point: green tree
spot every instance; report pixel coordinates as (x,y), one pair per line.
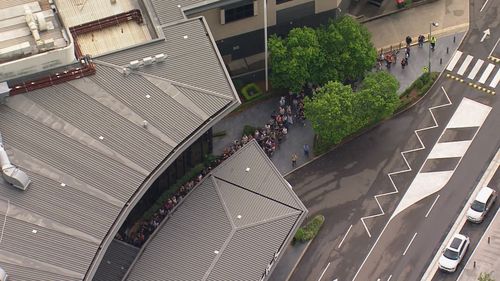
(348,48)
(341,51)
(293,59)
(485,277)
(331,112)
(377,98)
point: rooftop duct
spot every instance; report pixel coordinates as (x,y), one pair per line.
(11,173)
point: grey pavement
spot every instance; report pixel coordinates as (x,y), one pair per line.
(485,256)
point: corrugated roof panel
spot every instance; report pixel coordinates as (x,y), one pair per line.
(246,207)
(210,104)
(184,247)
(115,263)
(132,91)
(47,246)
(260,178)
(167,11)
(68,155)
(87,214)
(17,272)
(251,250)
(124,137)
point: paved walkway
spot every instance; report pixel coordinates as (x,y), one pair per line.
(485,256)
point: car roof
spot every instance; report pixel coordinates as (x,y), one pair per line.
(457,240)
(484,194)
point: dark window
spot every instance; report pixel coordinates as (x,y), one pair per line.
(282,1)
(238,13)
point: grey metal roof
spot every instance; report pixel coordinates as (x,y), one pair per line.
(116,261)
(84,145)
(223,230)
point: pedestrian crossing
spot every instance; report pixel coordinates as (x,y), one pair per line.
(469,67)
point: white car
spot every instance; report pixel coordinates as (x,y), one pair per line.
(481,205)
(454,253)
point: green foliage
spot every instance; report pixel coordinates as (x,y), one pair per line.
(418,88)
(332,112)
(378,97)
(340,51)
(310,230)
(249,130)
(485,277)
(251,91)
(171,191)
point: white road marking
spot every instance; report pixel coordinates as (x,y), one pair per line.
(495,80)
(464,65)
(422,146)
(486,73)
(432,206)
(345,235)
(328,265)
(454,60)
(389,279)
(485,2)
(411,241)
(494,47)
(475,69)
(469,113)
(449,149)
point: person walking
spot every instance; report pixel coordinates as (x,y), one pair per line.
(433,43)
(408,40)
(306,150)
(294,160)
(403,63)
(421,39)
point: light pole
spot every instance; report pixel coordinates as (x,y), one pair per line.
(265,46)
(435,24)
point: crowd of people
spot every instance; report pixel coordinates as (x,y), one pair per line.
(391,57)
(290,110)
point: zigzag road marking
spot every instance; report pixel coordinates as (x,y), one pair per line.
(396,190)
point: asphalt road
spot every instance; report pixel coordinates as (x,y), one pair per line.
(341,185)
(474,231)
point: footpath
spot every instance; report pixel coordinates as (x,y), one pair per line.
(388,30)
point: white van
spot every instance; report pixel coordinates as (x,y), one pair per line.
(481,205)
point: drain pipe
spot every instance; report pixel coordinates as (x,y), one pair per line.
(11,174)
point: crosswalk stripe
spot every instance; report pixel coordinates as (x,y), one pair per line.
(475,69)
(464,65)
(454,60)
(495,80)
(486,73)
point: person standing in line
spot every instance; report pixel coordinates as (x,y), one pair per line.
(408,40)
(403,63)
(294,160)
(421,39)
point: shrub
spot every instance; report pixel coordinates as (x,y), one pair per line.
(251,91)
(310,230)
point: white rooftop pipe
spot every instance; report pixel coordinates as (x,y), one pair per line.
(11,173)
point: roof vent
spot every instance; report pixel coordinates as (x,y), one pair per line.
(3,275)
(134,64)
(11,173)
(148,60)
(160,57)
(126,71)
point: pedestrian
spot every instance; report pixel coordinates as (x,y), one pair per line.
(306,150)
(282,101)
(294,160)
(421,39)
(408,40)
(407,52)
(433,43)
(403,63)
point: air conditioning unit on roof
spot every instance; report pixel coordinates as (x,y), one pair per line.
(148,60)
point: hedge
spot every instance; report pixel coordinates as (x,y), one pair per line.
(310,230)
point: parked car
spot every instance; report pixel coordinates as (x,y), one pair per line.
(454,253)
(481,205)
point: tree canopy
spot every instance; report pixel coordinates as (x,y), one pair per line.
(340,51)
(335,111)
